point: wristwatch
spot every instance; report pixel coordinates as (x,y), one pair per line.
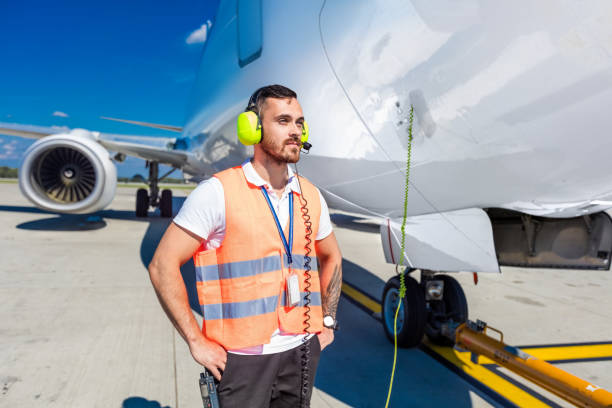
(330,322)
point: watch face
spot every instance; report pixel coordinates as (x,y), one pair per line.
(328,321)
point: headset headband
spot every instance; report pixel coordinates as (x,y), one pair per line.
(252,105)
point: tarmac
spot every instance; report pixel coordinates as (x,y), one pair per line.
(83,327)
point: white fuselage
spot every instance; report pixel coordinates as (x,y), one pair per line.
(510,110)
(510,101)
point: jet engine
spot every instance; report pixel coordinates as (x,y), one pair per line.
(68,173)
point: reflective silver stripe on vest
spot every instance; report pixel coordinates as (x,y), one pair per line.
(298,262)
(240,269)
(253,267)
(237,310)
(315,299)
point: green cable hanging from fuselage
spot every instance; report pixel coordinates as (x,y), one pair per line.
(402,291)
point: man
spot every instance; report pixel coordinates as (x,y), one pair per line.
(236,226)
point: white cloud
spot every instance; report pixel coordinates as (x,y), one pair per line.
(8,150)
(60,114)
(199,35)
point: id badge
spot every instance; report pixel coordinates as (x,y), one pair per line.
(293,290)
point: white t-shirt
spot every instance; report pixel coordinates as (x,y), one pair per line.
(203,213)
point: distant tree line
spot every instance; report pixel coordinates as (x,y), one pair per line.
(7,172)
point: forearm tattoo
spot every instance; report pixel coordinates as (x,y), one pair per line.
(332,293)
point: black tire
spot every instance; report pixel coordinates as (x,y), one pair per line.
(411,331)
(452,306)
(165,203)
(142,202)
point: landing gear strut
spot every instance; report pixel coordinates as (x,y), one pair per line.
(427,307)
(451,306)
(152,198)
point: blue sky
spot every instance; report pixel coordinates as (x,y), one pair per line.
(68,63)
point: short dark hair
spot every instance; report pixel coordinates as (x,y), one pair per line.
(271,91)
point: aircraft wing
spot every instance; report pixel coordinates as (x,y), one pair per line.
(160,149)
(163,154)
(29,131)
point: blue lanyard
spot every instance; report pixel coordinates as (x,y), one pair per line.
(289,245)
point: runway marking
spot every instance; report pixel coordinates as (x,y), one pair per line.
(483,372)
(361,298)
(462,360)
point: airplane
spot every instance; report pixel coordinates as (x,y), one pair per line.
(509,157)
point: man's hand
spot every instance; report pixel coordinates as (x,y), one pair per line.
(326,337)
(209,354)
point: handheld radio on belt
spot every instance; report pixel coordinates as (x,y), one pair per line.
(208,390)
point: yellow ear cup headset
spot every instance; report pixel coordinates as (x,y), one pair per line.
(249,125)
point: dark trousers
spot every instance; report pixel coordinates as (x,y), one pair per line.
(267,380)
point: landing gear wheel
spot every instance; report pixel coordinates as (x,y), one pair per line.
(142,202)
(453,306)
(165,204)
(412,314)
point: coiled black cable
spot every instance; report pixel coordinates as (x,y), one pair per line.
(305,348)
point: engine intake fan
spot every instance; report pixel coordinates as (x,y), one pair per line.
(68,173)
(65,175)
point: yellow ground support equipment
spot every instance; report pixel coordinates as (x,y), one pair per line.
(474,338)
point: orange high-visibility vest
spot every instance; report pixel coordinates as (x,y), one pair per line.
(241,285)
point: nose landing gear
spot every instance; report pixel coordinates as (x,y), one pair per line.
(452,307)
(426,308)
(152,198)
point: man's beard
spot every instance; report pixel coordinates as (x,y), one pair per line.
(282,154)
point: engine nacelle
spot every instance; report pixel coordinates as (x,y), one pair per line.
(68,173)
